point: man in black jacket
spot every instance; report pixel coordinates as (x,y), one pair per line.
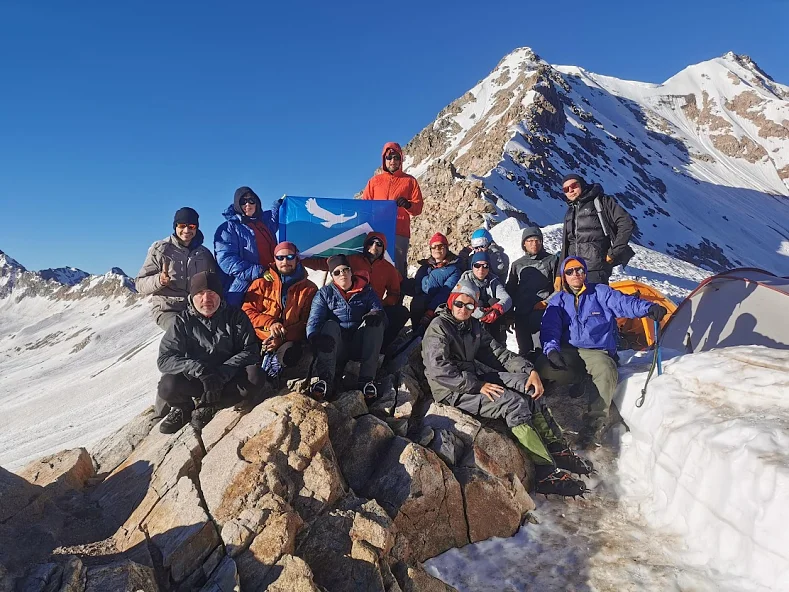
(531,284)
(210,354)
(596,228)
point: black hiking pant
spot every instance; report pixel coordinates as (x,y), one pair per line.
(179,390)
(527,330)
(396,315)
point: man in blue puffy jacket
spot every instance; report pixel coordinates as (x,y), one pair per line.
(347,321)
(434,280)
(244,244)
(578,335)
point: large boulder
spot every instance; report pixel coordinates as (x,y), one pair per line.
(359,445)
(69,469)
(111,451)
(124,576)
(293,575)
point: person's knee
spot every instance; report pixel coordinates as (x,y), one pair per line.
(168,386)
(331,327)
(516,408)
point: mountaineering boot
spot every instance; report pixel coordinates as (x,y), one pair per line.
(201,417)
(559,482)
(174,421)
(590,436)
(318,390)
(369,389)
(567,459)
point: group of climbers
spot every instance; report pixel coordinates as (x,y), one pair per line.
(234,323)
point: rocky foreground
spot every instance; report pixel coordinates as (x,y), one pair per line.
(292,495)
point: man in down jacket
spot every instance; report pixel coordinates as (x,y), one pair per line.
(453,345)
(434,280)
(494,301)
(209,354)
(170,264)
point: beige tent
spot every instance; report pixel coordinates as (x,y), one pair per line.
(739,307)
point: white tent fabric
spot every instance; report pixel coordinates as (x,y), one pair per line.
(738,307)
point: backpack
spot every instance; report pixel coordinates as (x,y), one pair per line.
(628,252)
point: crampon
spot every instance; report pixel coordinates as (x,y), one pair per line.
(566,459)
(561,483)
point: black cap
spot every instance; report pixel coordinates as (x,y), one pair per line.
(574,177)
(186,216)
(205,280)
(336,260)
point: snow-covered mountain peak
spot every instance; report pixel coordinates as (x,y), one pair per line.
(8,263)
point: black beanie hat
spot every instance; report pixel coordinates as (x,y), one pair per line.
(574,177)
(243,192)
(336,260)
(186,216)
(205,280)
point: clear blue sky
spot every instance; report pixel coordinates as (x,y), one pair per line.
(115,114)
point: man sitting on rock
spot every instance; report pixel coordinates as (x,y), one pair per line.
(578,336)
(278,305)
(209,354)
(434,281)
(347,321)
(453,345)
(494,302)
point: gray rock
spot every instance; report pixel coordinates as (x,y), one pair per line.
(224,578)
(294,575)
(111,451)
(351,403)
(124,576)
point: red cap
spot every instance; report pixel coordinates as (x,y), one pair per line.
(438,238)
(285,246)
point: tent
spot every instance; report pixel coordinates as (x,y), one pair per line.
(743,306)
(640,333)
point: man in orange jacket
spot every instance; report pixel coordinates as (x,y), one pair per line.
(384,280)
(278,304)
(395,185)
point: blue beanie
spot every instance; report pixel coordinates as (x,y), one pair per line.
(480,256)
(481,238)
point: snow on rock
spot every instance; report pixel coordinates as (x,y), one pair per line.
(64,275)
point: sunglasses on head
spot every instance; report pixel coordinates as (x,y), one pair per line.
(376,242)
(481,266)
(466,305)
(181,226)
(340,271)
(571,186)
(246,200)
(289,257)
(574,271)
(393,156)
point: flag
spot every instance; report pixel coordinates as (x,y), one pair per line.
(325,226)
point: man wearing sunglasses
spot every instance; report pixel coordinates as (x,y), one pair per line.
(244,243)
(278,305)
(578,336)
(346,321)
(453,345)
(596,228)
(434,280)
(170,264)
(393,184)
(494,302)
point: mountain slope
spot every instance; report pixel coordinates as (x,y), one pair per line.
(700,161)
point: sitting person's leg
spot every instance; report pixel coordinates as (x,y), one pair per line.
(177,391)
(418,308)
(326,361)
(396,315)
(573,372)
(605,377)
(365,347)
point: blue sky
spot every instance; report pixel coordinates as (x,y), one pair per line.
(113,115)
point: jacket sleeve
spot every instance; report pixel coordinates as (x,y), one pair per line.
(416,200)
(373,302)
(249,345)
(260,320)
(228,255)
(552,325)
(393,280)
(419,279)
(623,305)
(439,366)
(446,288)
(500,293)
(368,190)
(496,355)
(623,227)
(319,312)
(172,353)
(147,281)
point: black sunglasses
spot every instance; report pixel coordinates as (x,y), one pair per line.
(376,242)
(338,272)
(392,156)
(575,271)
(481,266)
(466,305)
(290,257)
(246,200)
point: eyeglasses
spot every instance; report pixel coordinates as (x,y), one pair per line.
(341,271)
(466,305)
(574,271)
(481,266)
(189,226)
(438,247)
(289,257)
(246,200)
(376,242)
(571,186)
(393,156)
(480,248)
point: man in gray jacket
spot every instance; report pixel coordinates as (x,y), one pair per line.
(453,345)
(169,265)
(531,284)
(494,301)
(210,354)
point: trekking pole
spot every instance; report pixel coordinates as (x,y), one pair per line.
(657,362)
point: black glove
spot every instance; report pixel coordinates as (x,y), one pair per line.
(321,342)
(212,387)
(656,312)
(556,360)
(372,318)
(403,203)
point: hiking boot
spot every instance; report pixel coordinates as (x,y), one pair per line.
(369,390)
(590,436)
(201,417)
(569,461)
(318,390)
(174,421)
(561,483)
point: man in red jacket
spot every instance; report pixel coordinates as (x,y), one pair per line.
(395,185)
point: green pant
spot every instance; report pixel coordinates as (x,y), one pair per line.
(580,363)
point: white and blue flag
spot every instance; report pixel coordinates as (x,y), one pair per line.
(325,226)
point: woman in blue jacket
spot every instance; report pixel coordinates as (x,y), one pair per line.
(578,335)
(244,244)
